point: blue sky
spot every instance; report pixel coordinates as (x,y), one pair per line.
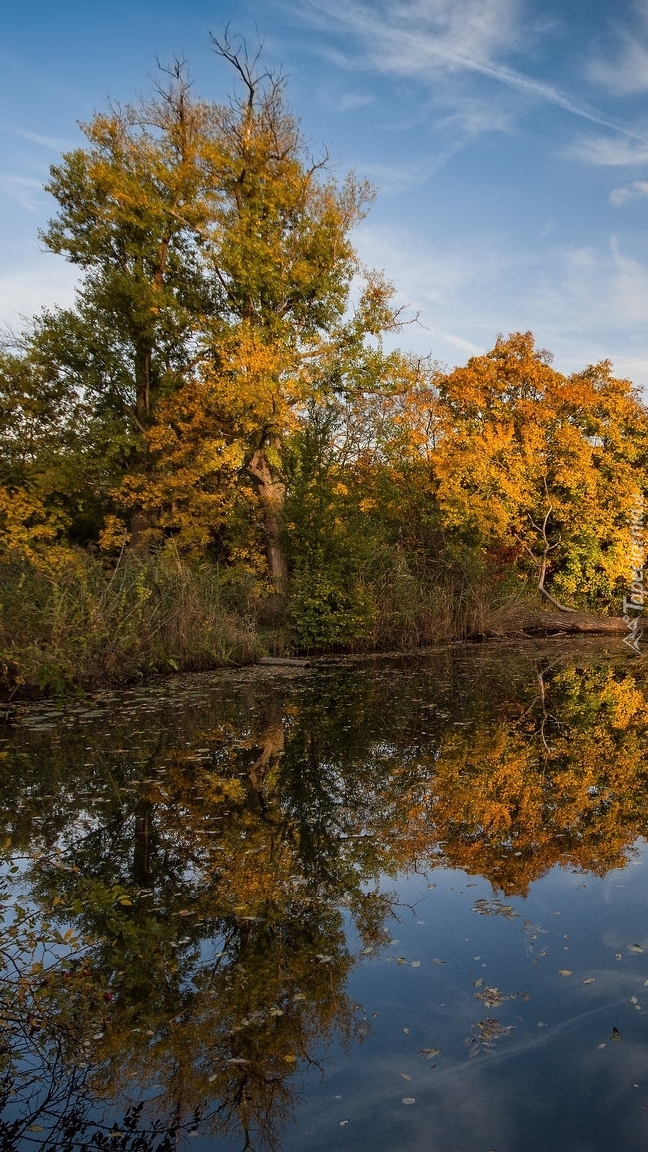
(507,139)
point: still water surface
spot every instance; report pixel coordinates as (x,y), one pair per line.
(367,907)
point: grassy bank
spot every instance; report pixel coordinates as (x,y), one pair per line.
(82,624)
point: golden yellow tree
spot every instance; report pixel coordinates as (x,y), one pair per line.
(276,248)
(543,467)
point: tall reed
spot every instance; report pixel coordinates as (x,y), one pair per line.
(81,624)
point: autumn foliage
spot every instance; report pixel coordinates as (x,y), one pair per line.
(221,392)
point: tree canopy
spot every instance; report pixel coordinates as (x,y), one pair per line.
(222,389)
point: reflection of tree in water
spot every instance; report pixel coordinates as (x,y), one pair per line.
(212,866)
(217,973)
(562,780)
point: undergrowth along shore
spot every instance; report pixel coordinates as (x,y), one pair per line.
(84,625)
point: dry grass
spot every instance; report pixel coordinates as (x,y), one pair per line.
(83,624)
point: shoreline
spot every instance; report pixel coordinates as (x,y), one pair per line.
(533,625)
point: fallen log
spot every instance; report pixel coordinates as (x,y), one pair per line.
(284,661)
(544,623)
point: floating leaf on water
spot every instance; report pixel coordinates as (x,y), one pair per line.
(478,983)
(242,1060)
(635,948)
(405,1076)
(491,997)
(617,955)
(409,1099)
(429,1052)
(633,1000)
(437,961)
(494,908)
(599,1046)
(616,1035)
(564,972)
(343,1123)
(589,980)
(401,960)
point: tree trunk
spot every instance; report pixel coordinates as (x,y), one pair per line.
(270,745)
(143,357)
(272,494)
(542,623)
(138,525)
(139,521)
(142,853)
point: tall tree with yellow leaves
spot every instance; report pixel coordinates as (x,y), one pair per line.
(218,268)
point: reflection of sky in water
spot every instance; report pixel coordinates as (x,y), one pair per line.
(558,1080)
(358,768)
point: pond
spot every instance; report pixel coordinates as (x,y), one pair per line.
(373,905)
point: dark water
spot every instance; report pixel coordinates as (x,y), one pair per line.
(376,907)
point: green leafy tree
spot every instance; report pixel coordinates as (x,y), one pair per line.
(215,300)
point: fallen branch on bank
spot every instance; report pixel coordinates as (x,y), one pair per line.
(544,623)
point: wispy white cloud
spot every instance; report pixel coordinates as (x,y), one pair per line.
(444,33)
(608,151)
(457,289)
(35,281)
(624,70)
(433,38)
(474,116)
(403,176)
(26,191)
(626,73)
(347,101)
(620,196)
(585,303)
(629,284)
(56,143)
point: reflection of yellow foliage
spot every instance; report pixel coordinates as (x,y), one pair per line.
(508,801)
(624,701)
(557,775)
